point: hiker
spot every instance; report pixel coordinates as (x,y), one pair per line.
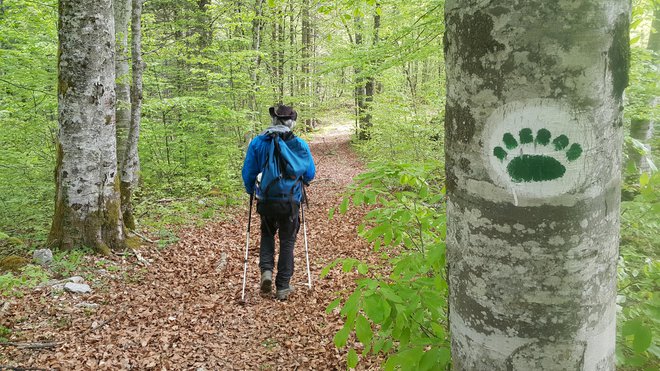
(278,196)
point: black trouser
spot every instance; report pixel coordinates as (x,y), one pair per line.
(274,216)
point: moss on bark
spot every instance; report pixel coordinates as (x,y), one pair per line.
(102,230)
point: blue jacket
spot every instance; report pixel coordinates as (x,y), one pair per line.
(255,161)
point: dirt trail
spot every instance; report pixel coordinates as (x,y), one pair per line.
(182,311)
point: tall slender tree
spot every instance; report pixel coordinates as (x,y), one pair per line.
(370,85)
(533,162)
(123,88)
(130,171)
(87,206)
(358,90)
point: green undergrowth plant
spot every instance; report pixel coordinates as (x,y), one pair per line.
(638,300)
(399,307)
(29,276)
(65,264)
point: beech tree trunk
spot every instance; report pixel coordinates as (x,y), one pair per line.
(87,206)
(131,167)
(307,48)
(533,163)
(359,89)
(370,85)
(257,26)
(123,87)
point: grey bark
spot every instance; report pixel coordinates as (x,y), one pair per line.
(370,85)
(257,26)
(307,48)
(642,130)
(359,89)
(87,205)
(532,219)
(123,109)
(131,168)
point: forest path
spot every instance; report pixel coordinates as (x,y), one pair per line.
(183,312)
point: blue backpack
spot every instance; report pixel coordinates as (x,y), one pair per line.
(287,161)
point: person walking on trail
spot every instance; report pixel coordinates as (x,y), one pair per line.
(277,166)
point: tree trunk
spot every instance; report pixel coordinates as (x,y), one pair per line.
(359,81)
(292,50)
(369,87)
(642,130)
(123,87)
(654,38)
(281,29)
(533,163)
(87,205)
(257,25)
(307,48)
(131,169)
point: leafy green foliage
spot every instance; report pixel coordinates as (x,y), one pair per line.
(398,307)
(30,276)
(28,110)
(638,333)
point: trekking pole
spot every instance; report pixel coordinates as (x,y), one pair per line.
(302,209)
(247,246)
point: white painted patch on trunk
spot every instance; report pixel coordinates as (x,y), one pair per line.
(536,115)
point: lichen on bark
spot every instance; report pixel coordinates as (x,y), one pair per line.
(87,186)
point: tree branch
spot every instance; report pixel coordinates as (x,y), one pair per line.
(26,88)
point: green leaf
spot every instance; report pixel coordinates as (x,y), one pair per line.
(327,268)
(631,327)
(333,304)
(642,340)
(331,213)
(362,268)
(390,295)
(370,197)
(374,308)
(410,358)
(363,330)
(341,337)
(344,205)
(358,198)
(351,305)
(352,358)
(348,264)
(435,359)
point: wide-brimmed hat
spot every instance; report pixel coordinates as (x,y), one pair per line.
(283,112)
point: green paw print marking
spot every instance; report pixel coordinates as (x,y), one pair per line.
(536,167)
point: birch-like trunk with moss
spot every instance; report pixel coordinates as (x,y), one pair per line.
(533,162)
(130,171)
(87,206)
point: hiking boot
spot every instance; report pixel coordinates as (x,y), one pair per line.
(266,282)
(283,294)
